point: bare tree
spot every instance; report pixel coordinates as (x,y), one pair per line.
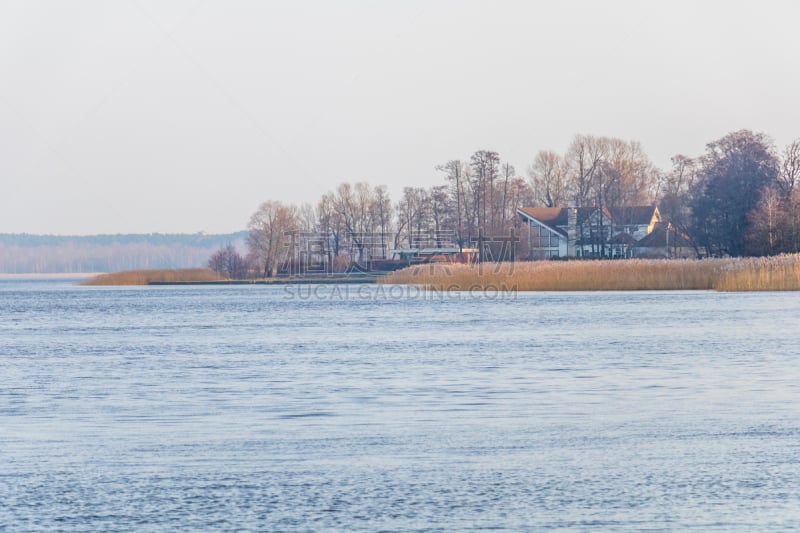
(457,174)
(789,175)
(485,171)
(363,211)
(269,234)
(585,156)
(307,218)
(228,263)
(768,230)
(412,214)
(520,194)
(442,215)
(330,224)
(549,178)
(629,177)
(509,173)
(674,192)
(383,213)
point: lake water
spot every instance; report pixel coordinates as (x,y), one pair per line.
(387,409)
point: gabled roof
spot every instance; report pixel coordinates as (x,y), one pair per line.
(638,215)
(623,238)
(635,215)
(553,218)
(584,213)
(557,218)
(658,238)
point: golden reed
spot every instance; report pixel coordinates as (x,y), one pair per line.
(780,273)
(144,277)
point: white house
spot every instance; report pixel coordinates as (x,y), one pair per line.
(587,231)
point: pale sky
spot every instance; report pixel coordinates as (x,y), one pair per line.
(142,116)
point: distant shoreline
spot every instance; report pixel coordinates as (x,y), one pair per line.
(204,276)
(776,273)
(322,280)
(47,276)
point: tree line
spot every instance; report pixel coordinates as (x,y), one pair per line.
(737,198)
(50,254)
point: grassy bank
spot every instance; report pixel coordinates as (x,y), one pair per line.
(144,277)
(780,273)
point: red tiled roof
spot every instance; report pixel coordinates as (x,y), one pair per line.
(554,218)
(547,215)
(557,217)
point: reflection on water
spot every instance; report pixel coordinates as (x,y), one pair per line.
(267,408)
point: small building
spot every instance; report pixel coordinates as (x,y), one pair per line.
(637,221)
(622,244)
(665,241)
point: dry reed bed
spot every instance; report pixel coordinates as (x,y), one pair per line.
(144,277)
(779,273)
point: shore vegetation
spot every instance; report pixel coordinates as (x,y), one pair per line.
(145,277)
(778,273)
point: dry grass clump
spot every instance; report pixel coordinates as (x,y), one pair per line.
(617,275)
(145,277)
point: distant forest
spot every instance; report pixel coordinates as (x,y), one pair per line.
(53,254)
